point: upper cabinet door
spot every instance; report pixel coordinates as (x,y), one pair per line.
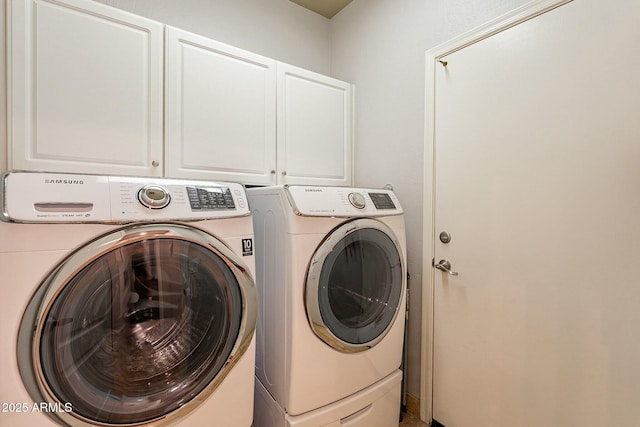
(85,88)
(220,111)
(314,128)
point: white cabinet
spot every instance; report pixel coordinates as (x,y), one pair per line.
(237,116)
(85,88)
(220,109)
(314,128)
(94,89)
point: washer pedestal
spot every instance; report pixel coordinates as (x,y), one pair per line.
(375,406)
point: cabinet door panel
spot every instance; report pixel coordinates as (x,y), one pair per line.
(220,111)
(314,128)
(86,89)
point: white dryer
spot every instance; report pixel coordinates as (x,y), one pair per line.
(331,278)
(125,301)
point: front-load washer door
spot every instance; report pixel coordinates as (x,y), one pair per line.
(354,286)
(138,326)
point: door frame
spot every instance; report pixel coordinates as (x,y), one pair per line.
(434,57)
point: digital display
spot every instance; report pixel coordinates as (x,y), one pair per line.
(382,201)
(210,198)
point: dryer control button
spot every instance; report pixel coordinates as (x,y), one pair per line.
(154,196)
(357,200)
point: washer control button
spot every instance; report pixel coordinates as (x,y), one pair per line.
(357,200)
(154,196)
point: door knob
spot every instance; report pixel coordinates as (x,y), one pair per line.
(444,265)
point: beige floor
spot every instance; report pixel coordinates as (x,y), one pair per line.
(410,420)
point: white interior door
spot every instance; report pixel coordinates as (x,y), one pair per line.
(537,181)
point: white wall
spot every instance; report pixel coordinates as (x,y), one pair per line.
(380,46)
(278,29)
(3,89)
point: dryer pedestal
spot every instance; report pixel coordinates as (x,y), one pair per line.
(375,406)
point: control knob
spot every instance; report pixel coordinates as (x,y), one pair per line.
(154,196)
(357,200)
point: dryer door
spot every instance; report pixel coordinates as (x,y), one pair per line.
(354,286)
(135,325)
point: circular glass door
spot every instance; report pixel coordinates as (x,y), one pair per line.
(354,285)
(138,323)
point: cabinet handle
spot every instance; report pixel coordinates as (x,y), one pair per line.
(155,164)
(273,171)
(284,173)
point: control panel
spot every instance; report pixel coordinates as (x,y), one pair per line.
(54,197)
(210,198)
(342,201)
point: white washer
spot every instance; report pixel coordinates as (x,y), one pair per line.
(331,278)
(125,301)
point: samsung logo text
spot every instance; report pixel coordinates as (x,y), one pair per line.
(64,181)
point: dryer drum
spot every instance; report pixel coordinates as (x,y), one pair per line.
(139,331)
(355,284)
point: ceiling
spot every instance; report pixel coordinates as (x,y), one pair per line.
(326,8)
